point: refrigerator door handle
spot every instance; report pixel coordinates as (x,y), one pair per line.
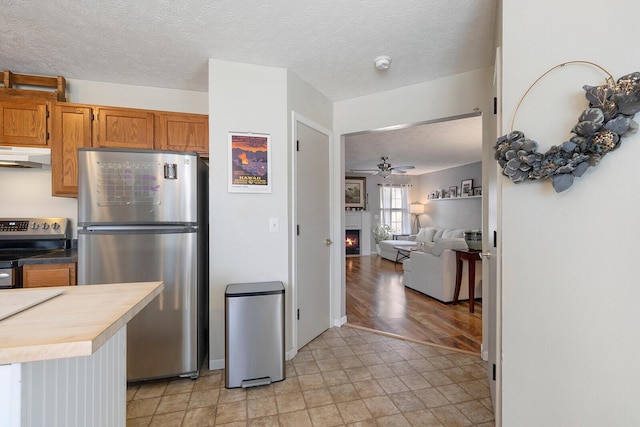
(154,227)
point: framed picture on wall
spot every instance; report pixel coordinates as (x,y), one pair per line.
(354,192)
(477,191)
(466,187)
(249,162)
(453,191)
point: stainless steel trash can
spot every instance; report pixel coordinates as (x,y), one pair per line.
(254,334)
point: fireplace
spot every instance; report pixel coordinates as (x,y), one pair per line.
(357,231)
(352,242)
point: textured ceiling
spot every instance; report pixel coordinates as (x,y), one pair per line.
(428,146)
(331,44)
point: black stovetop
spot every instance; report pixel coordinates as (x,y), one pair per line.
(22,238)
(10,258)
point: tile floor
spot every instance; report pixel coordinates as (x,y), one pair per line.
(345,377)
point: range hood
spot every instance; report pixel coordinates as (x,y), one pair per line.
(24,157)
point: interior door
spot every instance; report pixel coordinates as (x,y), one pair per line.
(491,250)
(313,246)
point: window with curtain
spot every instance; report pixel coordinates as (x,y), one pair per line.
(394,208)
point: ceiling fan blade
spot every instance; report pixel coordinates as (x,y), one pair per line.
(365,170)
(403,167)
(394,170)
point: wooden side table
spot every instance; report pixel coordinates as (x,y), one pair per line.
(471,256)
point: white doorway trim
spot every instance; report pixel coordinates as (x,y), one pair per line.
(295,119)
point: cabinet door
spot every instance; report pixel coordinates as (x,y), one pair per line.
(124,128)
(23,122)
(71,129)
(182,132)
(42,275)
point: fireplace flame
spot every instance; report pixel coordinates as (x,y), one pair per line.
(352,242)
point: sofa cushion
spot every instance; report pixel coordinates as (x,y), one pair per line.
(438,235)
(427,247)
(426,234)
(443,244)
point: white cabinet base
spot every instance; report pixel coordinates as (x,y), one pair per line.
(76,391)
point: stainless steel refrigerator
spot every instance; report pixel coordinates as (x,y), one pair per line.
(143,216)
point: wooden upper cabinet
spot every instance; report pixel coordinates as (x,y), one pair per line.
(182,132)
(23,122)
(124,128)
(71,128)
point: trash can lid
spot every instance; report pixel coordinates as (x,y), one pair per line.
(251,289)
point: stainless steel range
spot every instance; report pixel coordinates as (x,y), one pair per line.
(22,238)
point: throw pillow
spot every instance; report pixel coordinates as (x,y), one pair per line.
(452,234)
(426,234)
(438,234)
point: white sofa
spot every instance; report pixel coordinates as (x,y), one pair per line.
(432,270)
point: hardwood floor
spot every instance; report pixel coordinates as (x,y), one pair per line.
(377,299)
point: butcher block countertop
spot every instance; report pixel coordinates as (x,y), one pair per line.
(74,323)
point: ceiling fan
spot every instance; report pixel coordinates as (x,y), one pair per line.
(385,169)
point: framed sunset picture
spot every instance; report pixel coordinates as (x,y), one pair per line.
(249,162)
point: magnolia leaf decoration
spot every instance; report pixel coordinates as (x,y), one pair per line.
(599,130)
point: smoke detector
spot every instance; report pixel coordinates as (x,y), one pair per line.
(382,62)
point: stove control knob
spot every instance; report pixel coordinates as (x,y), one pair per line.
(55,226)
(45,226)
(35,226)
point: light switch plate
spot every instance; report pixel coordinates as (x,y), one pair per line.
(274,225)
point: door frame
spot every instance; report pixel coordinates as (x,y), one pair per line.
(295,119)
(495,250)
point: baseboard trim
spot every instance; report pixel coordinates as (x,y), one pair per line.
(484,353)
(291,354)
(339,322)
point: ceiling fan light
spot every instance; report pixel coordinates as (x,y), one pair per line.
(384,174)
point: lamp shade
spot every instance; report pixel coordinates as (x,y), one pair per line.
(384,174)
(416,208)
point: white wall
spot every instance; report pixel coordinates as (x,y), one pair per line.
(27,192)
(307,101)
(258,99)
(151,98)
(459,212)
(245,98)
(447,97)
(570,286)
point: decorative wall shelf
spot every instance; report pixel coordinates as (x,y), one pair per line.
(454,198)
